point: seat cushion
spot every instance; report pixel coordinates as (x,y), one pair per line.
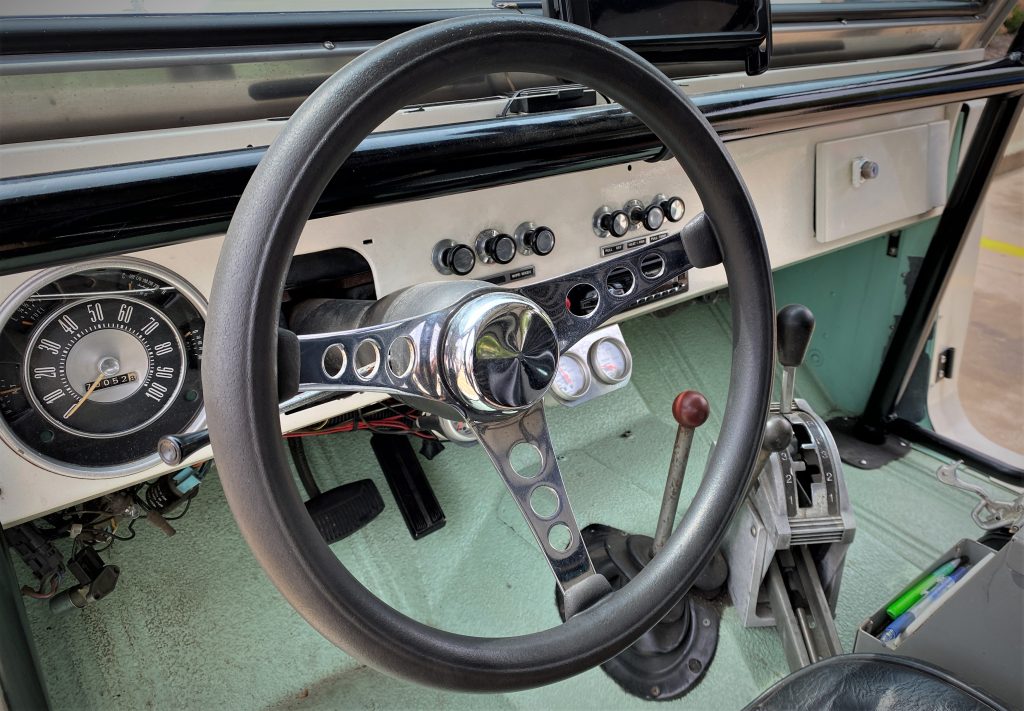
(875,682)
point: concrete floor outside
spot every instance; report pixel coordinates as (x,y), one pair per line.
(992,372)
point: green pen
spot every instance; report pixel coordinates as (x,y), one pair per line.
(910,596)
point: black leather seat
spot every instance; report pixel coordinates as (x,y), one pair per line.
(875,682)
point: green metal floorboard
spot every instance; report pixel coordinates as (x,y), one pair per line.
(195,624)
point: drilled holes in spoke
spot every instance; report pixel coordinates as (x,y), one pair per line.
(545,502)
(526,460)
(560,537)
(401,357)
(366,359)
(335,360)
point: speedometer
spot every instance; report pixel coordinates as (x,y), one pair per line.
(97,362)
(104,367)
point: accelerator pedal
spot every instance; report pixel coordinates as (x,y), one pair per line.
(409,485)
(343,510)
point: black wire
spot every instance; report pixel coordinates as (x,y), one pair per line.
(188,502)
(298,452)
(125,538)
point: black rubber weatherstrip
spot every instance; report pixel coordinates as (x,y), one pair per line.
(61,217)
(239,369)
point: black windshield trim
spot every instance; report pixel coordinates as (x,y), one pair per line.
(103,33)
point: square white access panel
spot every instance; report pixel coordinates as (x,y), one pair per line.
(867,182)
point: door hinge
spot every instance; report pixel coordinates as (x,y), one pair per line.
(892,248)
(945,364)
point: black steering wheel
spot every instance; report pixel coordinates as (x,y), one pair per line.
(469,350)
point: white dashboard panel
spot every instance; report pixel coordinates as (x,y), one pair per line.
(397,242)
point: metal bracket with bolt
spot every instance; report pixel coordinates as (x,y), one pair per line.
(989,514)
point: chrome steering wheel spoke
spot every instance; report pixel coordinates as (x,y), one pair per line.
(584,300)
(398,358)
(535,483)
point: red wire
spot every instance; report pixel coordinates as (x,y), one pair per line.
(394,423)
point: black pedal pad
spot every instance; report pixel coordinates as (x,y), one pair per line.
(409,485)
(343,510)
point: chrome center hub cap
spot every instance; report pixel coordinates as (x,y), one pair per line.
(500,353)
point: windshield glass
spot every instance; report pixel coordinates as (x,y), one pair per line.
(139,7)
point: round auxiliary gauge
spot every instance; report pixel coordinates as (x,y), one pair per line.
(572,379)
(97,362)
(610,360)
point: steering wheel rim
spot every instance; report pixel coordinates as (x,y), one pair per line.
(240,368)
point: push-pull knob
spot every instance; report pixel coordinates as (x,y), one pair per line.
(651,217)
(690,409)
(673,207)
(494,246)
(611,222)
(540,241)
(453,258)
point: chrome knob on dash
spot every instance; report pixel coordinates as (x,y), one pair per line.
(494,246)
(673,207)
(451,257)
(608,222)
(651,217)
(541,241)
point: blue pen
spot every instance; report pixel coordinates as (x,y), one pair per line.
(901,623)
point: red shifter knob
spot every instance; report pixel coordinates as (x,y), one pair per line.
(690,409)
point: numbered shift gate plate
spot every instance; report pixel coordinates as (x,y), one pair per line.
(97,362)
(598,364)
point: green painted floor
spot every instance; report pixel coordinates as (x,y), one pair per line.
(194,624)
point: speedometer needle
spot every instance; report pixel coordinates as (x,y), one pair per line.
(74,408)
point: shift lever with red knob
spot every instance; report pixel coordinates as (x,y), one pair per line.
(691,410)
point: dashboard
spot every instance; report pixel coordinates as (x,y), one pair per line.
(100,359)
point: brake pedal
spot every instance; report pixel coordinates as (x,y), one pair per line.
(343,510)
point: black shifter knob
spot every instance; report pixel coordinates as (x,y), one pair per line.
(795,325)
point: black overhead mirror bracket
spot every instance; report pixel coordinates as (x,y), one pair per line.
(665,32)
